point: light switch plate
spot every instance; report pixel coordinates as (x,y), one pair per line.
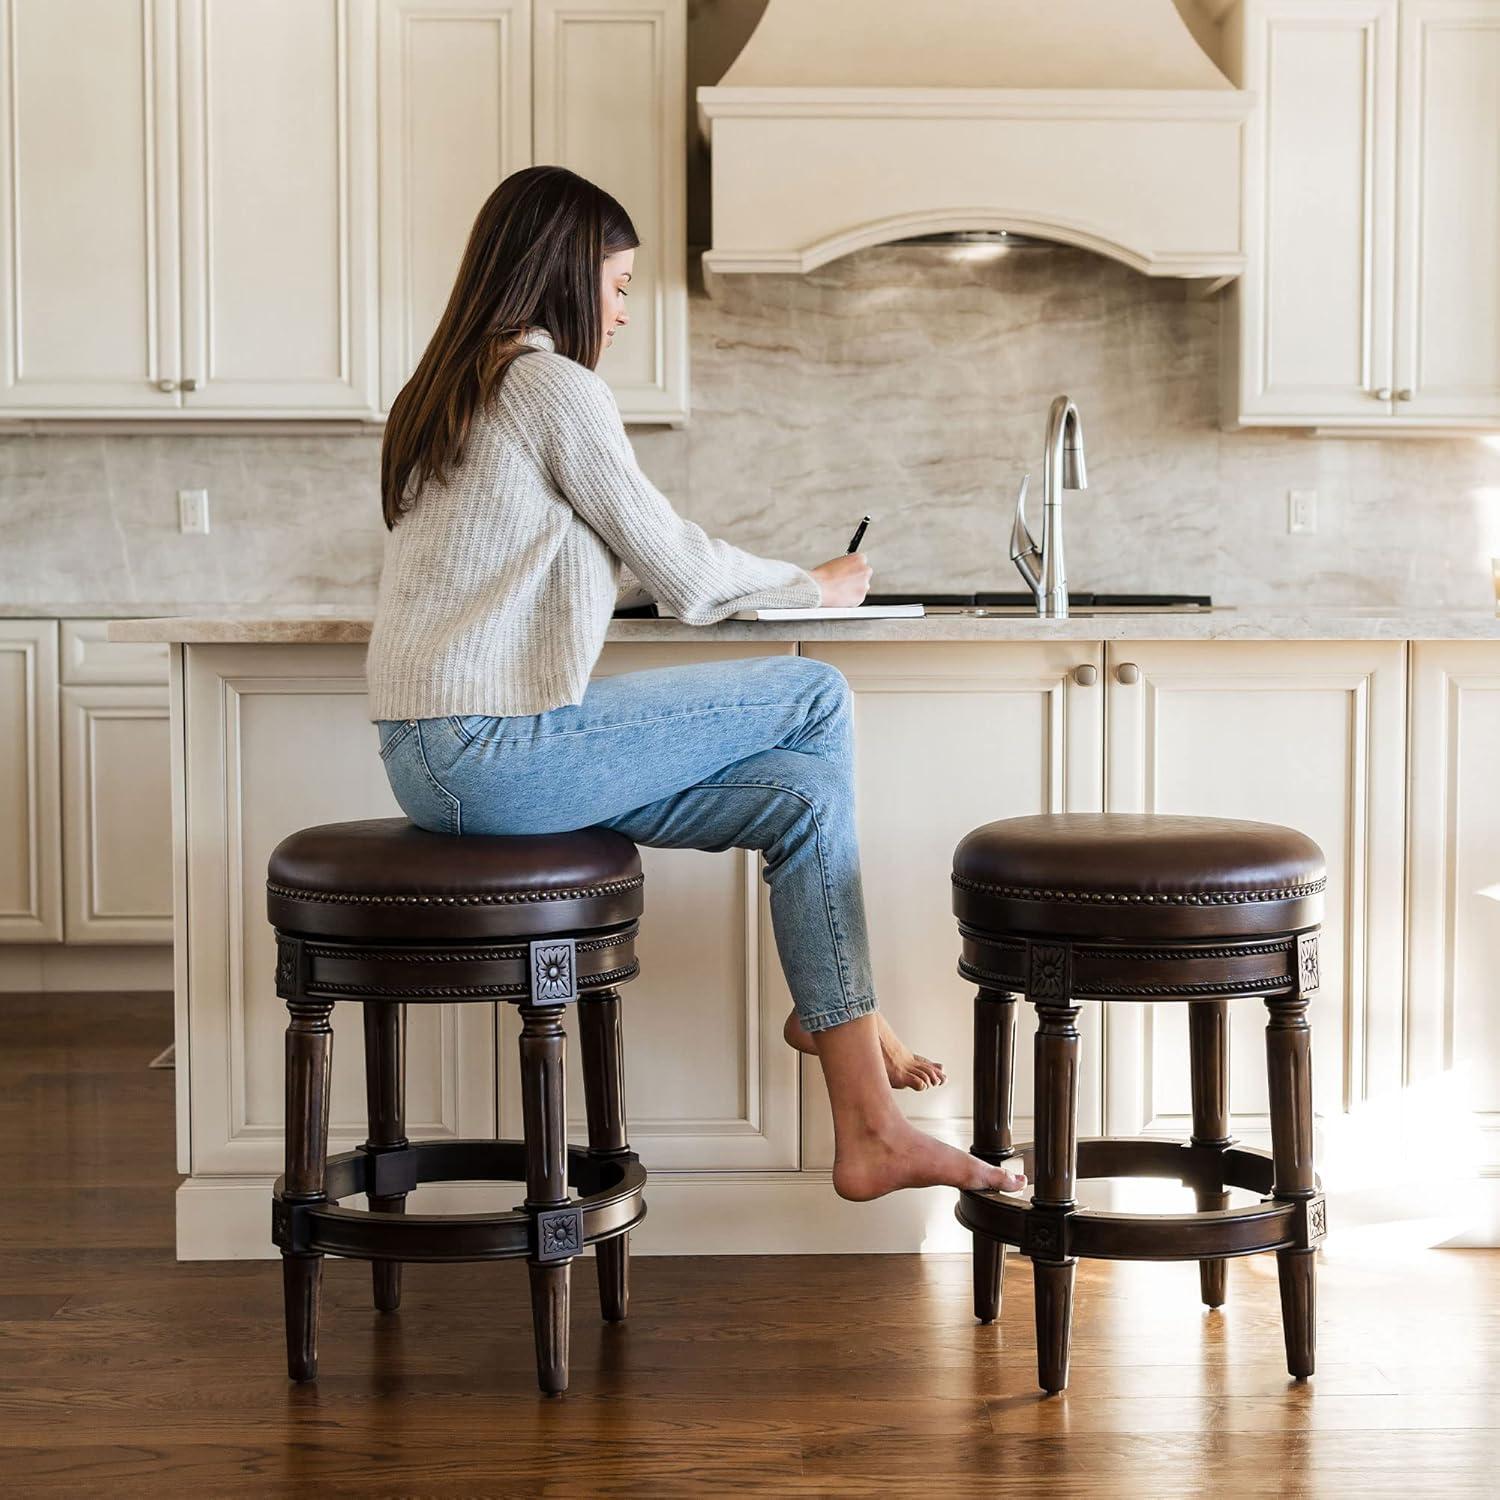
(1301,511)
(192,512)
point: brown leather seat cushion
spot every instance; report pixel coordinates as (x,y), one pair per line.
(385,879)
(1123,875)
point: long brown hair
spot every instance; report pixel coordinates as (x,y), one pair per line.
(533,260)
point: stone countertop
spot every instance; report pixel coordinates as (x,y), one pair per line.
(313,625)
(64,609)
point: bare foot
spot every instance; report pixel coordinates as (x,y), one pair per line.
(905,1068)
(900,1156)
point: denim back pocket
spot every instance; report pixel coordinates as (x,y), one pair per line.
(392,732)
(420,795)
(493,729)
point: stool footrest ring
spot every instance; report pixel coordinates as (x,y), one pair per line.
(1053,1235)
(612,1203)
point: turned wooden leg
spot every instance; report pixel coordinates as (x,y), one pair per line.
(1208,1044)
(994,1067)
(1289,1069)
(542,1102)
(1056,1177)
(309,1059)
(604,1099)
(385,1097)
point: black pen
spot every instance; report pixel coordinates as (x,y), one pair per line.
(859,531)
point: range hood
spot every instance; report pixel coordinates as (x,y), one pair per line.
(1097,123)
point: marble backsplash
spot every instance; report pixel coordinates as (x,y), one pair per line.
(903,381)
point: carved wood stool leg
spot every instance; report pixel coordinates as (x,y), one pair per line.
(542,1102)
(1208,1045)
(385,1097)
(1056,1176)
(994,1068)
(1289,1068)
(309,1059)
(604,1099)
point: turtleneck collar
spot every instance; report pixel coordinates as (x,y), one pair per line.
(540,337)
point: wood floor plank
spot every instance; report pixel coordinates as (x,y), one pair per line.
(125,1373)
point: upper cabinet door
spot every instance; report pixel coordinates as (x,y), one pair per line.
(278,206)
(1315,300)
(88,228)
(610,105)
(455,118)
(1448,303)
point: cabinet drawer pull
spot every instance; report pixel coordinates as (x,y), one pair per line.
(1383,394)
(1403,395)
(190,385)
(1085,676)
(1128,673)
(166,385)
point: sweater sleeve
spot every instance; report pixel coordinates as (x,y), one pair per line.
(698,578)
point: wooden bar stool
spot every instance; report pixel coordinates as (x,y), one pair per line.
(386,914)
(1068,907)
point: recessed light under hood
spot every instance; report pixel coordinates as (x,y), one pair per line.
(1096,123)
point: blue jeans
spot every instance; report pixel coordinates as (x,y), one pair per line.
(749,754)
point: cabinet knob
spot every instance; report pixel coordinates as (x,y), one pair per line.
(190,385)
(1383,394)
(166,385)
(1403,395)
(1128,673)
(1085,676)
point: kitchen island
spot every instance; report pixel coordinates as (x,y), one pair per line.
(1375,731)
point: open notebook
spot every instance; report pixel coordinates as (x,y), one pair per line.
(832,612)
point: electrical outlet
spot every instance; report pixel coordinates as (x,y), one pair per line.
(1301,510)
(192,512)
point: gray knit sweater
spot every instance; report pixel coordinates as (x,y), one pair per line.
(498,586)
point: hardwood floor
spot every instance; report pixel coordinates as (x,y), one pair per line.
(122,1372)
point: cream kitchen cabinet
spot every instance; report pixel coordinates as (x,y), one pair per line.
(116,789)
(1307,733)
(1453,1025)
(85,769)
(30,800)
(266,202)
(611,105)
(91,313)
(1372,208)
(187,208)
(1447,343)
(950,735)
(473,89)
(455,118)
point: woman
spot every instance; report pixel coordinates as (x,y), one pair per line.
(518,520)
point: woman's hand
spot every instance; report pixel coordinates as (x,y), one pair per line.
(843,579)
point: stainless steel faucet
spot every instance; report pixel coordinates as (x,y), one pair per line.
(1063,470)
